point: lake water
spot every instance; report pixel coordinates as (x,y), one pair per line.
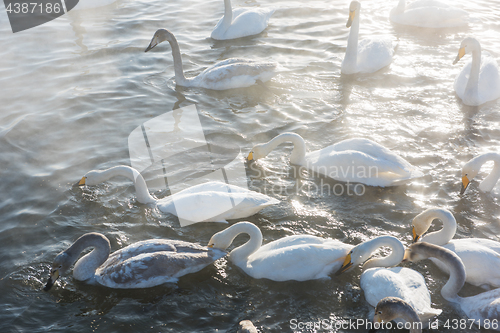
(75,88)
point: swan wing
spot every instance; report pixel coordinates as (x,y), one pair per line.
(235,73)
(481,307)
(489,79)
(150,263)
(401,282)
(364,161)
(301,261)
(481,258)
(214,202)
(374,54)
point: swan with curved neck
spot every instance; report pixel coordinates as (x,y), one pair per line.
(480,256)
(390,308)
(140,265)
(479,80)
(428,14)
(481,307)
(379,282)
(368,55)
(241,22)
(215,201)
(298,257)
(472,167)
(353,160)
(227,74)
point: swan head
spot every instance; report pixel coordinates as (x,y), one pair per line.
(61,265)
(354,8)
(390,308)
(160,36)
(356,256)
(469,171)
(468,45)
(220,241)
(421,223)
(256,153)
(91,178)
(417,251)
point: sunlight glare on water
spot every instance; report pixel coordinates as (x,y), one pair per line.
(75,88)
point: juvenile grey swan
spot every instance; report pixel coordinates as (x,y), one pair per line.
(140,265)
(482,308)
(227,74)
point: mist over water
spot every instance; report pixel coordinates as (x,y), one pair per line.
(75,88)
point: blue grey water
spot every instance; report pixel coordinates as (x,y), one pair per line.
(73,90)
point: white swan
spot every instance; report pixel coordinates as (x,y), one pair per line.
(140,265)
(390,308)
(472,167)
(378,282)
(369,55)
(479,80)
(481,307)
(206,202)
(241,22)
(480,256)
(428,14)
(353,160)
(298,257)
(227,74)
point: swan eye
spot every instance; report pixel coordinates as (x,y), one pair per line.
(380,312)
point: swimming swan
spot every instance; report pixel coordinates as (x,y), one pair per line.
(208,202)
(378,282)
(298,257)
(390,308)
(481,307)
(428,14)
(479,80)
(472,167)
(140,265)
(241,22)
(370,55)
(352,160)
(227,74)
(480,256)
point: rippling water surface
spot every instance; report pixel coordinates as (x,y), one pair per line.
(75,88)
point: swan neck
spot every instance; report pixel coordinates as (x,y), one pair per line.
(351,53)
(176,54)
(141,188)
(228,14)
(401,6)
(298,155)
(457,272)
(392,259)
(241,253)
(443,236)
(85,267)
(489,182)
(473,82)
